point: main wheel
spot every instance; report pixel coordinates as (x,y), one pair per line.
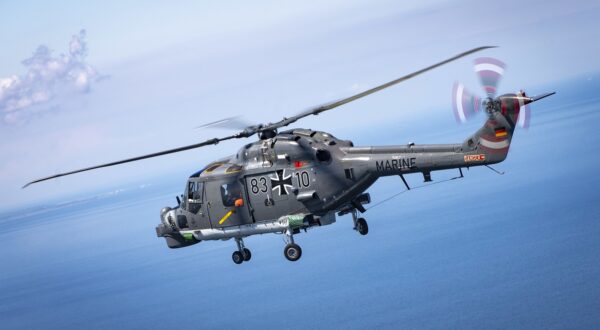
(361,226)
(247,254)
(292,252)
(237,257)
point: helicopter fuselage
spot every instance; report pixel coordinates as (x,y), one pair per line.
(301,178)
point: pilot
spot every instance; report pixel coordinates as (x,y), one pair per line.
(232,194)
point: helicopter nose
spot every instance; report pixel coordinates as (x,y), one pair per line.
(167,216)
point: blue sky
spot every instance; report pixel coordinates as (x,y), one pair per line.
(167,68)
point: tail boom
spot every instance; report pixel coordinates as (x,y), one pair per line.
(396,160)
(489,145)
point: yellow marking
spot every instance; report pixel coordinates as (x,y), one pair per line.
(225,217)
(213,167)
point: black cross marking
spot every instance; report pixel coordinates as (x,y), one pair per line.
(281,182)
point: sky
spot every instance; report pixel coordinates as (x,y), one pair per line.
(83,83)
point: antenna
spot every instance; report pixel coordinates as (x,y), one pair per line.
(495,170)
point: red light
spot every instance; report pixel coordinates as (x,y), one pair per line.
(298,164)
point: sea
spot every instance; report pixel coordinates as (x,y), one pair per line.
(518,250)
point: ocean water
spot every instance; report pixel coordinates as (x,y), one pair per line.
(519,250)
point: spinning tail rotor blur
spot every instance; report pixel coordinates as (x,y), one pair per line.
(467,105)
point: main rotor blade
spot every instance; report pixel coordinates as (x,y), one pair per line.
(335,104)
(156,154)
(227,123)
(251,130)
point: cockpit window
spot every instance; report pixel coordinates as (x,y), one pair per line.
(230,192)
(194,196)
(194,192)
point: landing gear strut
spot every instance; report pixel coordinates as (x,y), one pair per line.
(292,251)
(360,224)
(242,254)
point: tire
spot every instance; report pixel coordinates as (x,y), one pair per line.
(247,254)
(362,226)
(237,257)
(292,252)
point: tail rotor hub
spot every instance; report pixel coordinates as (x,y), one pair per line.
(490,105)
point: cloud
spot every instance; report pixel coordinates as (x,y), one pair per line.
(46,80)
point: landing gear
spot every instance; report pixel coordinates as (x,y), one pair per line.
(237,257)
(247,254)
(292,251)
(242,254)
(360,224)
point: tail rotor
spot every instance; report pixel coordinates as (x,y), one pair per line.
(490,71)
(467,105)
(525,116)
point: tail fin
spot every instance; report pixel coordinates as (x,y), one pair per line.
(491,142)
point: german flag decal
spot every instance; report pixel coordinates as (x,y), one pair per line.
(501,132)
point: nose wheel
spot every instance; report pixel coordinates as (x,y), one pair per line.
(242,254)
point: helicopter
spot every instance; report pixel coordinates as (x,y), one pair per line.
(288,181)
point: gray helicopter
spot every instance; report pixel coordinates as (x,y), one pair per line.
(298,179)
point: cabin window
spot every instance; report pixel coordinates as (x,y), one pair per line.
(233,169)
(230,192)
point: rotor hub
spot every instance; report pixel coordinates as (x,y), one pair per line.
(267,134)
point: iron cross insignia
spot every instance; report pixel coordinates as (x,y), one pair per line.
(281,182)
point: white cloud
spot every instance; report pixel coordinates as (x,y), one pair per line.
(46,80)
